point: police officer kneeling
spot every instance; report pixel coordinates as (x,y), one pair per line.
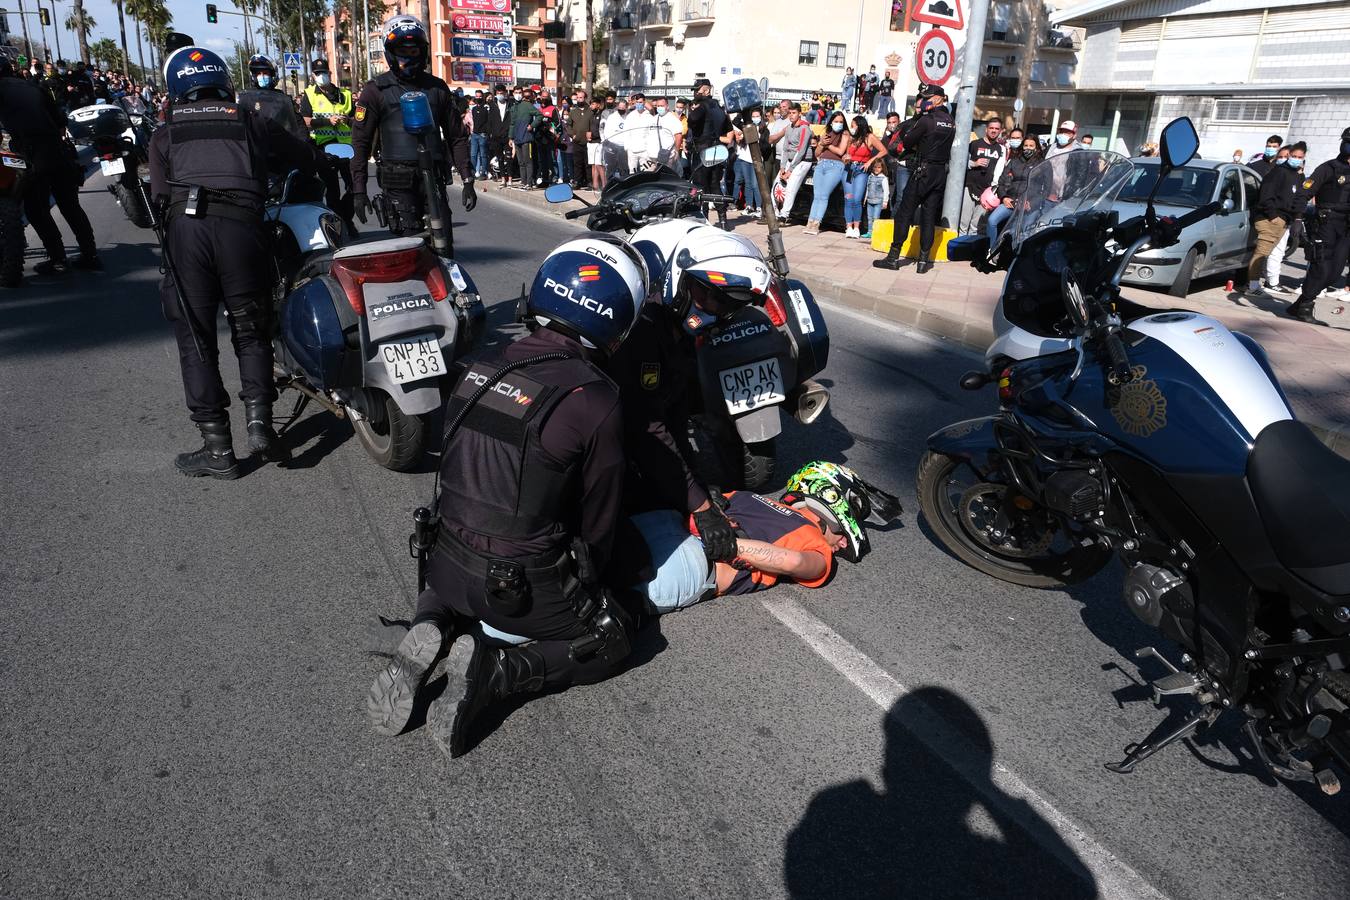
(208,170)
(535,471)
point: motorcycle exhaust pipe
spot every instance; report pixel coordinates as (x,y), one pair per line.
(810,399)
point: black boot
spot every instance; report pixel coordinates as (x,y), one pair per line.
(892,260)
(923,266)
(1301,310)
(216,456)
(89,261)
(390,702)
(476,676)
(263,441)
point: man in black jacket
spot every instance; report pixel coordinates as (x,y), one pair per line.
(1329,188)
(1276,206)
(498,129)
(1262,164)
(709,125)
(929,135)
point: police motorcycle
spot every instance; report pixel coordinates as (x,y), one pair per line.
(1164,439)
(369,331)
(120,141)
(759,339)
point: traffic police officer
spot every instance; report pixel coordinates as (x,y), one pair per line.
(930,132)
(269,101)
(37,131)
(208,173)
(1329,186)
(534,459)
(327,110)
(378,111)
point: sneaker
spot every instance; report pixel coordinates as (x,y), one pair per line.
(1257,291)
(866,235)
(52,267)
(1276,287)
(389,704)
(812,228)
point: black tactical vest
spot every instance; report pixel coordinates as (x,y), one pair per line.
(209,146)
(396,145)
(276,107)
(1334,195)
(499,481)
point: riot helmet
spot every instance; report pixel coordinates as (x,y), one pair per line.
(195,73)
(590,288)
(263,71)
(406,46)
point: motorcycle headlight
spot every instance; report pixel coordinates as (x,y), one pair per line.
(331,226)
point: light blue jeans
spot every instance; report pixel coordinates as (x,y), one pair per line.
(994,224)
(683,573)
(873,213)
(829,174)
(745,175)
(855,189)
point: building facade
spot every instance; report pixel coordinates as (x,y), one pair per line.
(1241,69)
(1026,58)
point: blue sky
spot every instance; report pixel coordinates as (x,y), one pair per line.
(188,15)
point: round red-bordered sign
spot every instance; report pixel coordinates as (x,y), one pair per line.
(935,57)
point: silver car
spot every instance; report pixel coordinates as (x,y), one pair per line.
(1217,244)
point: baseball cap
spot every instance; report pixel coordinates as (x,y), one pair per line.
(1068,125)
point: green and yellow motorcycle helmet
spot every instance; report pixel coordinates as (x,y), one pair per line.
(843,500)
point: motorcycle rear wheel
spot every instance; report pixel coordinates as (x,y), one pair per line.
(132,204)
(12,242)
(393,439)
(1035,564)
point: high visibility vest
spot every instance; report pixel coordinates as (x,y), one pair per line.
(336,132)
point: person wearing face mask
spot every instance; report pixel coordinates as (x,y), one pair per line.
(1011,185)
(885,95)
(709,125)
(525,121)
(378,111)
(579,126)
(985,155)
(1064,139)
(498,130)
(1276,207)
(869,93)
(478,135)
(930,136)
(268,101)
(1263,163)
(897,160)
(1329,188)
(744,167)
(327,110)
(671,133)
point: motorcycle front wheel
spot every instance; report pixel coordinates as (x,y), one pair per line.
(393,438)
(963,513)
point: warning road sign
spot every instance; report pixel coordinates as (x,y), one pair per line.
(935,57)
(946,13)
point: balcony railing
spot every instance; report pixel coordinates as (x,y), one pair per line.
(656,15)
(1059,40)
(997,86)
(697,11)
(623,22)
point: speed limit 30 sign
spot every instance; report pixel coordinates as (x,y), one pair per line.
(935,57)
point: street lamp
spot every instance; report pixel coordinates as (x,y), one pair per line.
(668,69)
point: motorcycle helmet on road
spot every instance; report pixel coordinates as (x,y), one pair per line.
(195,73)
(405,46)
(843,501)
(590,288)
(263,71)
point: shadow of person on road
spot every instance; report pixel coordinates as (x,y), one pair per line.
(940,826)
(330,431)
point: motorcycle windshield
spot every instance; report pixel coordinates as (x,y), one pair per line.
(638,143)
(1073,182)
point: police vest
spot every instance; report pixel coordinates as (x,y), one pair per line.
(1334,194)
(397,145)
(276,107)
(320,105)
(209,146)
(500,481)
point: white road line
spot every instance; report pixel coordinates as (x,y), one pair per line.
(1115,878)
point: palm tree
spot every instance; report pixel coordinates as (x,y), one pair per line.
(122,27)
(83,24)
(157,21)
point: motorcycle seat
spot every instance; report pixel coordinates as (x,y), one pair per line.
(1302,491)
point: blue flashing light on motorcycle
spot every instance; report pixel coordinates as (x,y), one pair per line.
(416,109)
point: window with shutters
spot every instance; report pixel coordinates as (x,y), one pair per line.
(807,52)
(1263,111)
(834,55)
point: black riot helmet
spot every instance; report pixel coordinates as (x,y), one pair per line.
(406,46)
(263,71)
(176,40)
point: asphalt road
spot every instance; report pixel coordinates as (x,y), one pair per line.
(183,665)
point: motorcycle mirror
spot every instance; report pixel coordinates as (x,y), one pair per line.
(1074,301)
(340,151)
(1179,143)
(968,247)
(558,193)
(715,155)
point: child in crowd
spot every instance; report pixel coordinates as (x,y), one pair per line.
(878,189)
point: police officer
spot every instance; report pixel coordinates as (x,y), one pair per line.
(208,173)
(930,133)
(1329,187)
(537,469)
(269,101)
(327,110)
(709,125)
(378,111)
(37,131)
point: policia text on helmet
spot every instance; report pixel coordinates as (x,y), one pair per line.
(208,182)
(378,110)
(521,541)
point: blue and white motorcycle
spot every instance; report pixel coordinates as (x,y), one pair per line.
(1164,439)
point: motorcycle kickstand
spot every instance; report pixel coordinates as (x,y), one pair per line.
(301,403)
(1157,740)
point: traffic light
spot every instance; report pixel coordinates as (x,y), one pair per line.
(43,16)
(211,14)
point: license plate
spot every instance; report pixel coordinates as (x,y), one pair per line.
(413,358)
(752,385)
(113,167)
(13,162)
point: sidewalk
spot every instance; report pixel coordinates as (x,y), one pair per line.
(957,302)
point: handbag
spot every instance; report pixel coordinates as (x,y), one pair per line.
(989,199)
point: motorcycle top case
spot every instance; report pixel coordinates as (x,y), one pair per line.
(312,331)
(807,325)
(101,121)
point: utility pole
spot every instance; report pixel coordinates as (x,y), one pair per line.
(56,31)
(965,113)
(23,20)
(365,38)
(304,47)
(46,47)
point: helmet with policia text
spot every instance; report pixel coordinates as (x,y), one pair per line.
(405,45)
(843,501)
(195,73)
(713,274)
(262,70)
(590,288)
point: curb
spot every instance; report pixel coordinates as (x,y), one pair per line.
(972,335)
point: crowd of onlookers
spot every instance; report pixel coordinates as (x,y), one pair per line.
(73,85)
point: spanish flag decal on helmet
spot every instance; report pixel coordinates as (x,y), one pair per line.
(717,278)
(195,56)
(589,273)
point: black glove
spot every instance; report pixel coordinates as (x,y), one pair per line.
(470,198)
(360,206)
(719,538)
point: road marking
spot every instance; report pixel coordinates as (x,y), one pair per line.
(1115,878)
